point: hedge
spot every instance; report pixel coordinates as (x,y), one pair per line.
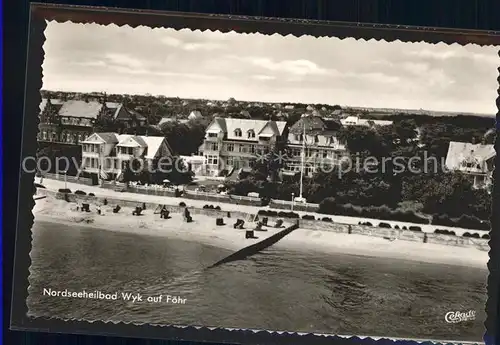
(65,190)
(308,217)
(444,232)
(415,228)
(80,192)
(384,225)
(329,206)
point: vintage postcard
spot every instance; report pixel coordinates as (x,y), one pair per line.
(325,185)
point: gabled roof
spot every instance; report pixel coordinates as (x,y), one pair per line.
(230,125)
(55,102)
(104,137)
(458,152)
(75,108)
(312,124)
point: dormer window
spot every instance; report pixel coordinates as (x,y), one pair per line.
(237,132)
(251,133)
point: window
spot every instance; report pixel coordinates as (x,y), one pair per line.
(251,133)
(214,146)
(212,135)
(230,147)
(243,149)
(211,160)
(325,154)
(316,139)
(44,135)
(230,161)
(297,137)
(252,148)
(237,132)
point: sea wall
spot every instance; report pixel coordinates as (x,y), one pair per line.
(457,241)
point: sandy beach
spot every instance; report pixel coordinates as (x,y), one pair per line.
(204,230)
(55,185)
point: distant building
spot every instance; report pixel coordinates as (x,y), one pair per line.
(320,145)
(194,115)
(233,143)
(104,155)
(357,121)
(69,122)
(476,160)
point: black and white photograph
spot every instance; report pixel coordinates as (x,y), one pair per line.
(264,182)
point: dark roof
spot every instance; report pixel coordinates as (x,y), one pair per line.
(311,124)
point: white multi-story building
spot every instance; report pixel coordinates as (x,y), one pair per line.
(357,121)
(105,154)
(476,160)
(317,139)
(232,144)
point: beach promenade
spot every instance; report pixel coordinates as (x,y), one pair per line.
(55,185)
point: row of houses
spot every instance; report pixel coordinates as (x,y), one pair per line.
(230,144)
(70,122)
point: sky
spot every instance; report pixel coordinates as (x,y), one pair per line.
(255,67)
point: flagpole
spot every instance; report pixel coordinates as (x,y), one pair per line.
(302,160)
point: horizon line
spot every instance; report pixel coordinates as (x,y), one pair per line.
(420,111)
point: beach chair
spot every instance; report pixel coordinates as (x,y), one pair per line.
(116,209)
(264,221)
(239,224)
(219,221)
(85,207)
(249,234)
(99,210)
(138,211)
(258,227)
(164,213)
(279,223)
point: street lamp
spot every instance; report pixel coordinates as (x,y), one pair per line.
(65,179)
(293,200)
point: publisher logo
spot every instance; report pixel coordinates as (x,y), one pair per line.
(458,316)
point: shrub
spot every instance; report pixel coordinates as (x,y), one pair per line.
(475,235)
(217,208)
(183,204)
(91,194)
(466,234)
(384,225)
(396,227)
(205,206)
(404,228)
(367,224)
(486,236)
(308,217)
(326,219)
(329,206)
(465,221)
(64,190)
(80,192)
(415,228)
(444,232)
(287,214)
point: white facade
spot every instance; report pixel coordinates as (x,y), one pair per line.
(357,121)
(232,144)
(312,137)
(106,154)
(475,160)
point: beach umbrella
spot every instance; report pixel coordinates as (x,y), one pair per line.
(166,181)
